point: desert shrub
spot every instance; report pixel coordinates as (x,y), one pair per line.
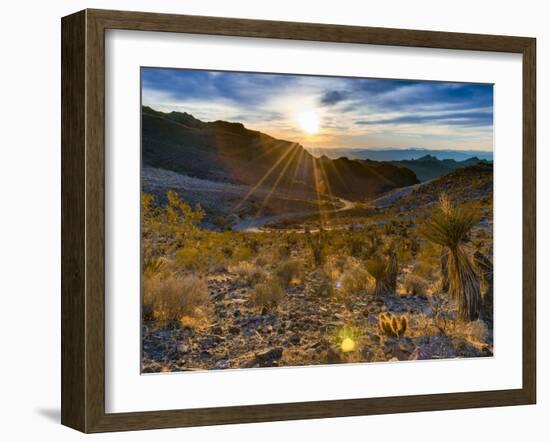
(176,220)
(391,325)
(287,270)
(320,284)
(242,252)
(448,226)
(264,258)
(267,295)
(476,331)
(415,285)
(427,260)
(249,272)
(222,223)
(173,297)
(354,279)
(152,265)
(189,258)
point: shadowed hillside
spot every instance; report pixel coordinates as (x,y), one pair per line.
(229,152)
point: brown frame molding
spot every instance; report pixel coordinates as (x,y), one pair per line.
(83,216)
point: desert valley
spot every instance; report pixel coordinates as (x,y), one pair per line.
(257,252)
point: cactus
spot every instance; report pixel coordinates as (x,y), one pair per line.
(393,326)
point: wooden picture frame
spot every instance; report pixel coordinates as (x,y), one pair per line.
(83,220)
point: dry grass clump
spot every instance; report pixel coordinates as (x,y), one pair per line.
(355,279)
(264,258)
(288,270)
(173,297)
(415,285)
(248,272)
(267,295)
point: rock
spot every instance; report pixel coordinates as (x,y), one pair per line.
(294,339)
(437,347)
(183,348)
(205,354)
(217,330)
(234,330)
(267,358)
(210,341)
(221,364)
(399,348)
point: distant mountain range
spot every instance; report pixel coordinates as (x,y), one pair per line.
(429,167)
(228,152)
(414,153)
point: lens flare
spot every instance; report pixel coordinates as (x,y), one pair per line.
(348,345)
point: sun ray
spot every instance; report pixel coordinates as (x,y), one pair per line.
(317,184)
(276,183)
(262,179)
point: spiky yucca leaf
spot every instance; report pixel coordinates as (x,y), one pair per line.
(449,227)
(444,268)
(377,268)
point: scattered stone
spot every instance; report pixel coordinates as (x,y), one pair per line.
(294,339)
(184,348)
(267,358)
(221,364)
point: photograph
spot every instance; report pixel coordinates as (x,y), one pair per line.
(303,220)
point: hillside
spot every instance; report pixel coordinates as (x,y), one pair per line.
(464,185)
(229,152)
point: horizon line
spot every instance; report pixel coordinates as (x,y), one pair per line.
(400,148)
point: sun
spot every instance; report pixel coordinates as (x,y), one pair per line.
(308,120)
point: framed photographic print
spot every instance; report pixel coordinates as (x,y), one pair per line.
(266,221)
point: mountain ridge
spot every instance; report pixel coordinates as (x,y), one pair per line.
(230,152)
(399,154)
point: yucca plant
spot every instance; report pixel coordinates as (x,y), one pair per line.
(377,267)
(448,226)
(152,265)
(391,270)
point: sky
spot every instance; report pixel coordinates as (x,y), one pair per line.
(331,112)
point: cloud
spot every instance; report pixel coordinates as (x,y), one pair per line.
(354,112)
(333,97)
(454,118)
